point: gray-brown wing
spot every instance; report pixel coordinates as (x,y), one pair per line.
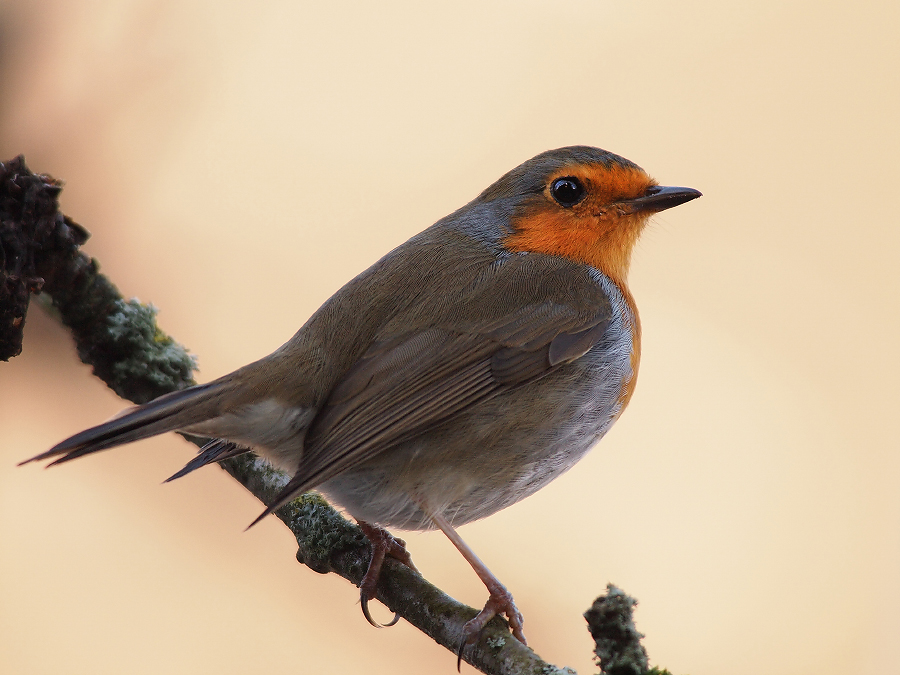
(407,384)
(403,386)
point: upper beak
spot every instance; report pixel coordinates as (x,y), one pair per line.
(659,198)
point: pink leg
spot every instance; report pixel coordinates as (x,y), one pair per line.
(383,543)
(500,600)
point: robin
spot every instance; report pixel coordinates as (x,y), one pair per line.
(463,371)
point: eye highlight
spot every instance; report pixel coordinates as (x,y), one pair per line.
(567,191)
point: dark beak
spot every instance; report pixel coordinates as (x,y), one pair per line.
(659,198)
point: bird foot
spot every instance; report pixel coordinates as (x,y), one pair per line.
(500,602)
(383,544)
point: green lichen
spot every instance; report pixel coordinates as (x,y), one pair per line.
(496,642)
(143,351)
(321,531)
(553,670)
(274,479)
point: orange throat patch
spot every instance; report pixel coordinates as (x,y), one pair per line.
(595,231)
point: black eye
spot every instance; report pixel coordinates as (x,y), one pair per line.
(568,191)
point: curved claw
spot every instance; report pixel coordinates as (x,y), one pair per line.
(462,645)
(383,543)
(364,603)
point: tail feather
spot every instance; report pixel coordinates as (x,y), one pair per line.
(214,451)
(171,412)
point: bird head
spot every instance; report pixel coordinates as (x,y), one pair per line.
(583,203)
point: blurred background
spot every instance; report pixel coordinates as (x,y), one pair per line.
(237,163)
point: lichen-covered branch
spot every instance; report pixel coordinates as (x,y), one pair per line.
(39,251)
(617,642)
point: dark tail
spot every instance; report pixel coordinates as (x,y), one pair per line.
(214,451)
(170,412)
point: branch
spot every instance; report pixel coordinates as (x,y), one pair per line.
(617,642)
(39,252)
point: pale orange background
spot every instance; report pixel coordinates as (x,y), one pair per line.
(237,163)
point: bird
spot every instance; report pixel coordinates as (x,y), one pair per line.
(462,372)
